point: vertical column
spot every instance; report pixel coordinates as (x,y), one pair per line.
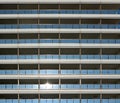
(101,98)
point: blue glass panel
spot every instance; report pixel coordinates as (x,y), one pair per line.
(43,101)
(96,100)
(84,71)
(83,100)
(55,101)
(90,101)
(70,101)
(22,101)
(63,101)
(49,101)
(117,100)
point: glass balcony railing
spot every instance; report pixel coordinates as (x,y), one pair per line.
(55,72)
(60,26)
(59,11)
(90,71)
(59,57)
(60,100)
(20,41)
(110,71)
(70,72)
(110,100)
(61,86)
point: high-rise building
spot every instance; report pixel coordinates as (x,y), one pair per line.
(59,51)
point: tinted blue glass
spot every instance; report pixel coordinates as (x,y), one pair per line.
(43,72)
(96,100)
(49,100)
(55,101)
(63,101)
(105,101)
(83,100)
(43,101)
(90,101)
(22,101)
(72,26)
(70,101)
(59,11)
(84,86)
(61,56)
(84,71)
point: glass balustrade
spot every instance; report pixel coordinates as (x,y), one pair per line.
(49,72)
(28,101)
(90,71)
(27,72)
(69,100)
(60,26)
(90,86)
(28,86)
(21,86)
(90,100)
(110,72)
(70,86)
(59,11)
(49,86)
(49,100)
(8,100)
(55,72)
(8,72)
(14,41)
(59,57)
(60,101)
(70,72)
(61,86)
(110,100)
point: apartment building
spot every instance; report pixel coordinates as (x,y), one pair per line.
(59,51)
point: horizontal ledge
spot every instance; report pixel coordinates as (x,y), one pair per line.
(60,61)
(60,45)
(37,76)
(72,16)
(91,91)
(66,30)
(60,1)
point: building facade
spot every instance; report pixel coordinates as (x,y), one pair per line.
(59,51)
